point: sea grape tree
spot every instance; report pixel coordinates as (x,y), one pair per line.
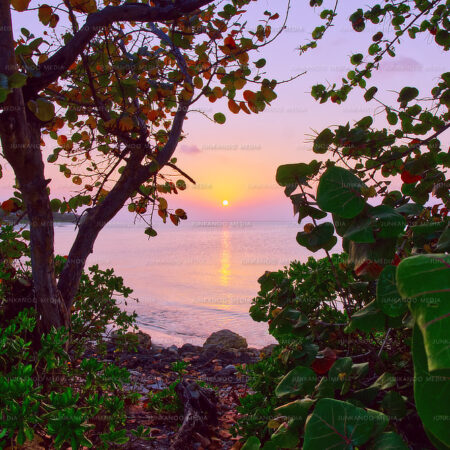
(358,364)
(102,90)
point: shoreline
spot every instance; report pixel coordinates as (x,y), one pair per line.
(213,367)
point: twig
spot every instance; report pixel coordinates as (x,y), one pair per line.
(384,342)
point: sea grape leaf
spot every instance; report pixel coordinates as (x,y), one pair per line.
(394,404)
(431,393)
(425,281)
(300,380)
(323,141)
(321,237)
(360,231)
(369,318)
(340,371)
(388,440)
(410,209)
(443,244)
(252,443)
(295,174)
(339,192)
(389,222)
(341,425)
(388,298)
(285,437)
(297,408)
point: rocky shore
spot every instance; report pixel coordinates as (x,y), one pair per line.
(211,370)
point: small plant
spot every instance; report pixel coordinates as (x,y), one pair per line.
(165,401)
(180,368)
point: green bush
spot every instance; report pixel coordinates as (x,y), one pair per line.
(48,389)
(363,336)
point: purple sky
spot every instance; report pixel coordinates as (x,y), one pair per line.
(237,161)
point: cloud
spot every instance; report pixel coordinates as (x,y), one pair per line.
(190,149)
(400,64)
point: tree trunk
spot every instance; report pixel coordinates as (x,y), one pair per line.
(20,135)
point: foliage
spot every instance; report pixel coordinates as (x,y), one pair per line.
(76,402)
(49,388)
(166,400)
(379,362)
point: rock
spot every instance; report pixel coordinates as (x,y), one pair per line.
(144,340)
(135,373)
(158,386)
(171,351)
(230,368)
(189,348)
(225,339)
(227,371)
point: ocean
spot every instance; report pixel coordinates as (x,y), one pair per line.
(193,279)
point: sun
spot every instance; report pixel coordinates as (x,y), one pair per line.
(225,202)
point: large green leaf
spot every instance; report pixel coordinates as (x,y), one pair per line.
(340,371)
(443,244)
(388,298)
(295,174)
(252,443)
(341,225)
(410,209)
(339,192)
(299,381)
(431,393)
(425,281)
(285,437)
(423,234)
(369,318)
(341,425)
(388,223)
(321,237)
(388,441)
(297,408)
(384,381)
(360,231)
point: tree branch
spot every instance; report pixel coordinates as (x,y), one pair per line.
(58,64)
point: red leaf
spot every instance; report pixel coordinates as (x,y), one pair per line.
(409,178)
(10,206)
(369,268)
(230,42)
(324,361)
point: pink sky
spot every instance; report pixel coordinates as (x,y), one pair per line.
(237,161)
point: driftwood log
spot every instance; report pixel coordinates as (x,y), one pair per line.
(200,413)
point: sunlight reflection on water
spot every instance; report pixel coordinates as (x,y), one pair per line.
(225,265)
(194,279)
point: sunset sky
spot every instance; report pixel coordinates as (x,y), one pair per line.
(237,161)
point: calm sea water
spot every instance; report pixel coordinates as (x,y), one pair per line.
(194,279)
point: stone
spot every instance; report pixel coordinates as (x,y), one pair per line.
(227,371)
(189,348)
(171,351)
(225,339)
(144,340)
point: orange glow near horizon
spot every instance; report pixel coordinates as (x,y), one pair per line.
(225,203)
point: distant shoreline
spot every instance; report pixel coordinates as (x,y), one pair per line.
(57,217)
